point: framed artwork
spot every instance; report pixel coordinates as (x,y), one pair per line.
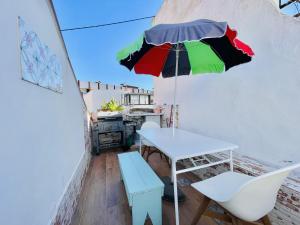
(38,64)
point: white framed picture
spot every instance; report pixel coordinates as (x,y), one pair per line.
(38,64)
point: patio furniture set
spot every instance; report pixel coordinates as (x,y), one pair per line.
(244,199)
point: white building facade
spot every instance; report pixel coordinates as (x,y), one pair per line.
(254,105)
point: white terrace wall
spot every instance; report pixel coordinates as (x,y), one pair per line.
(95,98)
(42,132)
(255,105)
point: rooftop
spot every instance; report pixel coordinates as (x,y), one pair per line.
(103,198)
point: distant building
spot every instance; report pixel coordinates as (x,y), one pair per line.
(97,93)
(136,96)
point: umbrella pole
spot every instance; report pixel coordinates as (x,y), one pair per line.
(175,88)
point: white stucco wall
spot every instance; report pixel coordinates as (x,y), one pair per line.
(94,99)
(41,133)
(255,105)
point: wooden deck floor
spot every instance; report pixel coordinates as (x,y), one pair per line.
(103,200)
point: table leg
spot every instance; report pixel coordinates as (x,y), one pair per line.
(175,191)
(172,171)
(231,161)
(140,149)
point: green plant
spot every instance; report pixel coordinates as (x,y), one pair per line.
(111,106)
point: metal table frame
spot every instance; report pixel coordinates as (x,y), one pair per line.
(226,147)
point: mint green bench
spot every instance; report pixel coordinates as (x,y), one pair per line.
(143,187)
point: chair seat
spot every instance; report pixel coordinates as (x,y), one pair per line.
(221,188)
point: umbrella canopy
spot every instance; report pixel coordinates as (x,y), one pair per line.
(204,46)
(201,46)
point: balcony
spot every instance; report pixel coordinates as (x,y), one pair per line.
(103,199)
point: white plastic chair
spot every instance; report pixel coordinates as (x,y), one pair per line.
(149,124)
(149,148)
(245,197)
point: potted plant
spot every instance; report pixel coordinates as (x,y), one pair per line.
(111,108)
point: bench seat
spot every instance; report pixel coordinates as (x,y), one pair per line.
(143,187)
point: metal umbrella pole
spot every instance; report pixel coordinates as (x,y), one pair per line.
(175,87)
(173,169)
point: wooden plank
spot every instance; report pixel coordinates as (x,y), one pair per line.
(219,216)
(113,182)
(202,208)
(103,199)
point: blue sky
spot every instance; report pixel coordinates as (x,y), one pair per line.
(93,51)
(292,9)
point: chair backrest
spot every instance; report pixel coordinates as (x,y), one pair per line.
(257,197)
(150,124)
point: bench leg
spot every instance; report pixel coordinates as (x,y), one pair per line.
(147,204)
(138,215)
(155,211)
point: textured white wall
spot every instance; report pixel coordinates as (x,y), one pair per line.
(255,105)
(41,133)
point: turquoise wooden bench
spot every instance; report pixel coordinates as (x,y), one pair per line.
(143,187)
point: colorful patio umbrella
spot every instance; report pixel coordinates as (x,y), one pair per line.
(197,47)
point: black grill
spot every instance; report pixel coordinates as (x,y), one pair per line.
(108,133)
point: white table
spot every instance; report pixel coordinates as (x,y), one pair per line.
(183,145)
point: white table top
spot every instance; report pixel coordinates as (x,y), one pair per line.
(183,144)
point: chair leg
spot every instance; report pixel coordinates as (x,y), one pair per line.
(147,149)
(229,218)
(168,160)
(160,155)
(143,150)
(219,216)
(235,221)
(201,210)
(150,152)
(266,220)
